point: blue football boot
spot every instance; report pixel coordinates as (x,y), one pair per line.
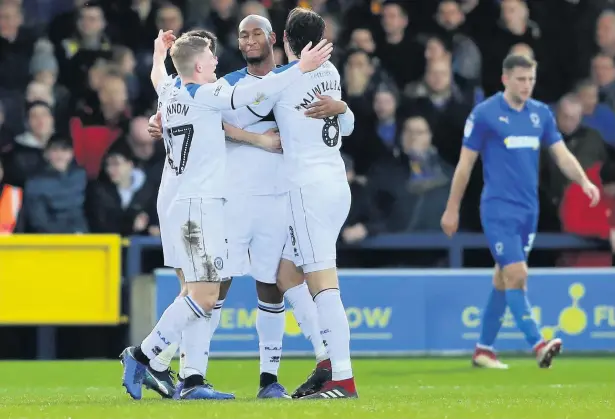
(133,375)
(273,391)
(203,392)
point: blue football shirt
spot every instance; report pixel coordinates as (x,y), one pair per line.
(509,143)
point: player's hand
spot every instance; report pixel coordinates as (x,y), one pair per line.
(312,58)
(271,141)
(163,42)
(592,192)
(141,222)
(154,127)
(450,222)
(325,107)
(354,234)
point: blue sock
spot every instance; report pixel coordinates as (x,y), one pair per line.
(522,312)
(492,317)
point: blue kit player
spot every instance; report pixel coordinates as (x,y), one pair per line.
(508,131)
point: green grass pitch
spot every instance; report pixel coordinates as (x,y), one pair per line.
(434,388)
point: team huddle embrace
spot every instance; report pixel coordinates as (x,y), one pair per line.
(231,203)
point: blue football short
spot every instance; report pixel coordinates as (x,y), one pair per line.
(510,238)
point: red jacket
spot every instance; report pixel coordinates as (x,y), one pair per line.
(92,138)
(579,218)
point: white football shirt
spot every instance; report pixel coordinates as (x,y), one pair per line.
(311,146)
(251,170)
(193,132)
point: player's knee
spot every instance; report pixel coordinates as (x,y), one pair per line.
(321,280)
(289,276)
(498,279)
(269,293)
(205,294)
(515,275)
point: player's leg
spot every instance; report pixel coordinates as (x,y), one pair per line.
(268,239)
(484,355)
(291,282)
(319,213)
(545,350)
(201,260)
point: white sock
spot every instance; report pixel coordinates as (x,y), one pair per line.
(306,314)
(169,328)
(270,322)
(195,346)
(165,357)
(335,331)
(215,318)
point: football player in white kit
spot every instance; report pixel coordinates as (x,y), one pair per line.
(194,137)
(256,237)
(162,382)
(319,196)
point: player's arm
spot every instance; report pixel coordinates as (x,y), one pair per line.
(473,140)
(565,160)
(327,107)
(269,141)
(221,96)
(161,45)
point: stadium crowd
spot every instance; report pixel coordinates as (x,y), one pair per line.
(75,97)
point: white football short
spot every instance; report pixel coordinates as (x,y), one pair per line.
(316,214)
(256,232)
(199,238)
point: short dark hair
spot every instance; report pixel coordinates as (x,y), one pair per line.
(121,149)
(59,141)
(302,27)
(513,61)
(202,33)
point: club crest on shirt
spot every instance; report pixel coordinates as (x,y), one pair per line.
(535,120)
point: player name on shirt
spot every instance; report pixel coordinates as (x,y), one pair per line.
(177,109)
(319,89)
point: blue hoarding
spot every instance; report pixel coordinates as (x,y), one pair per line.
(429,311)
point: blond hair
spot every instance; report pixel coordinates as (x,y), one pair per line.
(184,52)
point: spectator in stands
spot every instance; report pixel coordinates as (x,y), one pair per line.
(332,30)
(399,52)
(585,143)
(603,74)
(6,136)
(362,38)
(44,70)
(94,130)
(64,25)
(54,197)
(605,33)
(26,156)
(596,115)
(123,204)
(148,154)
(361,221)
(77,53)
(578,217)
(253,7)
(442,103)
(412,188)
(124,61)
(465,53)
(362,78)
(134,21)
(11,198)
(223,20)
(513,27)
(16,47)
